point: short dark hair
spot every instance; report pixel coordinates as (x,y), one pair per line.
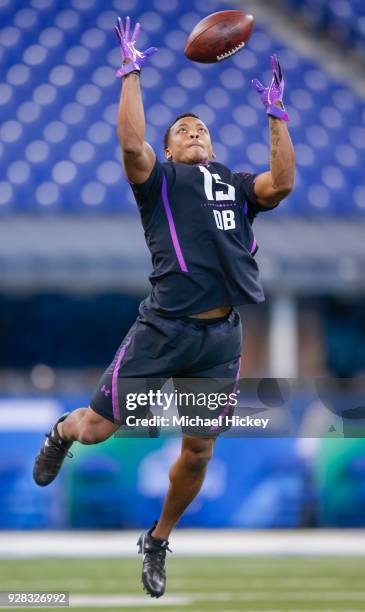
(167,133)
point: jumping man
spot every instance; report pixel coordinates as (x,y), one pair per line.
(197,217)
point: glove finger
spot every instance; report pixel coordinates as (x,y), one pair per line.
(274,61)
(258,85)
(125,48)
(276,68)
(127,28)
(118,35)
(120,27)
(136,30)
(150,51)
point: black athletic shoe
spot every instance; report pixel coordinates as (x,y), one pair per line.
(50,458)
(153,569)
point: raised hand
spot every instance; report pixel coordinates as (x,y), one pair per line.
(132,59)
(273,94)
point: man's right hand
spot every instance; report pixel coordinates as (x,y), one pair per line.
(132,59)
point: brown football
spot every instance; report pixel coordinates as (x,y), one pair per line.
(219,36)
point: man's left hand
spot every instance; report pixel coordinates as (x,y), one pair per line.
(272,96)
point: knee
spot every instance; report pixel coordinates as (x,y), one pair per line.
(197,459)
(94,428)
(90,435)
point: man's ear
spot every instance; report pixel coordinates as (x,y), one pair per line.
(168,154)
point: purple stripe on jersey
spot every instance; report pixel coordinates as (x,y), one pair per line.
(245,207)
(228,405)
(254,245)
(115,403)
(174,238)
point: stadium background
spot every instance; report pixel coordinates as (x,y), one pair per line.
(73,264)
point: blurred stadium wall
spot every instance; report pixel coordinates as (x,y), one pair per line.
(73,264)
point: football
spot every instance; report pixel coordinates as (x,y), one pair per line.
(219,36)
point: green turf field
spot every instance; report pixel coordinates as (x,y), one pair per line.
(216,584)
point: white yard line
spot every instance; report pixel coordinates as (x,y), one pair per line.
(117,601)
(305,596)
(184,543)
(174,599)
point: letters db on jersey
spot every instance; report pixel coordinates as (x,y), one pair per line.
(197,221)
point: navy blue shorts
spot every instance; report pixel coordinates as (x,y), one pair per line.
(161,348)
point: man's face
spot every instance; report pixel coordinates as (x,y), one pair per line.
(189,142)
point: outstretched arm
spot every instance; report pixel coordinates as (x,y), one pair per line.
(272,187)
(138,155)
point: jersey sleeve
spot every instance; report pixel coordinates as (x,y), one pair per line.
(147,193)
(250,203)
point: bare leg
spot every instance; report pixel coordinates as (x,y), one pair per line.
(186,478)
(86,426)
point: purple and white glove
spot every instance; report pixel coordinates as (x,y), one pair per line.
(132,59)
(274,93)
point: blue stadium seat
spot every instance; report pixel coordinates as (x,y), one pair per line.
(343,19)
(59,102)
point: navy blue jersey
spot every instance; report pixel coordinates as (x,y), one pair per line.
(197,221)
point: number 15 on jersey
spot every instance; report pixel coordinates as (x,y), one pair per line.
(224,219)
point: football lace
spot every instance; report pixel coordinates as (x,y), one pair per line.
(231,52)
